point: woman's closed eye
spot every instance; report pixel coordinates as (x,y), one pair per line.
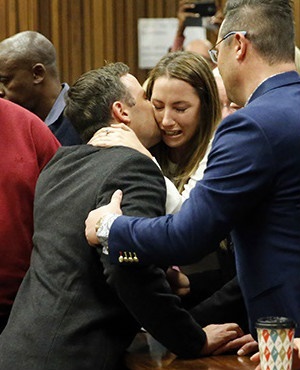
(157,107)
(180,110)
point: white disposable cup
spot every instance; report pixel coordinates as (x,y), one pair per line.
(275,341)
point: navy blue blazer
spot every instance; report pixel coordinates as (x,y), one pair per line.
(65,132)
(250,188)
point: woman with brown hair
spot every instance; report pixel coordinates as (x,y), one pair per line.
(186,106)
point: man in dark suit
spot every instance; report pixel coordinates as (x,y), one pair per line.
(29,77)
(74,310)
(251,186)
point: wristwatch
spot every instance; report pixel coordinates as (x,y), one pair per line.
(102,227)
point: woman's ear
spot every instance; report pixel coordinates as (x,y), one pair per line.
(120,112)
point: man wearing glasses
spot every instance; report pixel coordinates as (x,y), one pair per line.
(251,187)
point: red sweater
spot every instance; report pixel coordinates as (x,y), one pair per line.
(26,145)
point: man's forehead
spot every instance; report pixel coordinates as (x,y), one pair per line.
(10,67)
(5,67)
(10,64)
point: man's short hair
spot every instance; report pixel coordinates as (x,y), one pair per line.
(90,99)
(269,25)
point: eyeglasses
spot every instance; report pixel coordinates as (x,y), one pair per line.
(213,52)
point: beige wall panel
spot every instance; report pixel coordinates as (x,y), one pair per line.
(130,35)
(53,30)
(120,46)
(33,14)
(110,23)
(4,17)
(171,7)
(75,41)
(88,50)
(97,33)
(17,15)
(65,22)
(12,17)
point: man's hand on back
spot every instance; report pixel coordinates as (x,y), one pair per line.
(94,217)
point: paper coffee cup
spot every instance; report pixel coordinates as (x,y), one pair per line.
(275,341)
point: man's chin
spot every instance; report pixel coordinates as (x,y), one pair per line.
(150,140)
(153,141)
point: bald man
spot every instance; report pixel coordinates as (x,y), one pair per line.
(29,77)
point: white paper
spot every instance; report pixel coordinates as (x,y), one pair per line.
(156,36)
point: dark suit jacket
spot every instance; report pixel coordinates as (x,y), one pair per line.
(252,187)
(222,305)
(73,311)
(65,132)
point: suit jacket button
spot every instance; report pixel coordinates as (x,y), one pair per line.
(135,259)
(121,259)
(125,257)
(130,259)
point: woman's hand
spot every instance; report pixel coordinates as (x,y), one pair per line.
(178,281)
(118,134)
(296,358)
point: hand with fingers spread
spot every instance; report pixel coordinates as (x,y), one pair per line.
(114,207)
(218,335)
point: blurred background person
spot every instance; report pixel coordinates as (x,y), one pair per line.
(200,46)
(29,77)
